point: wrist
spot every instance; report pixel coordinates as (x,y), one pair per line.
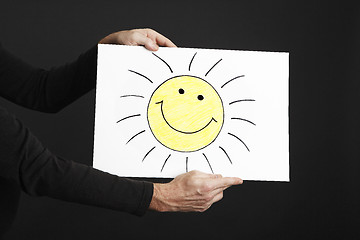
(109,39)
(157,202)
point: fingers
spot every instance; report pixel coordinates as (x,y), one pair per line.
(211,200)
(226,182)
(140,38)
(200,174)
(214,176)
(215,181)
(145,37)
(150,39)
(218,197)
(158,38)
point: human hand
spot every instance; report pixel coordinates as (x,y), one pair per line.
(146,37)
(192,191)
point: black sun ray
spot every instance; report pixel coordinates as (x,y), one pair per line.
(163,62)
(135,115)
(242,100)
(141,75)
(243,119)
(212,67)
(165,162)
(135,136)
(132,95)
(239,140)
(208,163)
(232,80)
(148,153)
(192,59)
(226,154)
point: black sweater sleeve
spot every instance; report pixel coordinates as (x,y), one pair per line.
(46,90)
(24,160)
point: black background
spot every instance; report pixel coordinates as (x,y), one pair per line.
(321,201)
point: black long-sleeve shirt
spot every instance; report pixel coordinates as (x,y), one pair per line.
(27,165)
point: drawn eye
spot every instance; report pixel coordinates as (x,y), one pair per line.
(181,91)
(200,97)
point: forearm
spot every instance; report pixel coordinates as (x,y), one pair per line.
(25,161)
(46,90)
(70,181)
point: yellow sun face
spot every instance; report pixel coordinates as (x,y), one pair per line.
(185,113)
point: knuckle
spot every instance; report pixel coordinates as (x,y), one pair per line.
(208,199)
(206,187)
(202,209)
(195,182)
(194,172)
(206,207)
(199,210)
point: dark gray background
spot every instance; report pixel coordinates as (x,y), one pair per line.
(322,199)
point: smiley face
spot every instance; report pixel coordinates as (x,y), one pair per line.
(185,113)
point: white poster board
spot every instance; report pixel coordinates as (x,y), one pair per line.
(163,113)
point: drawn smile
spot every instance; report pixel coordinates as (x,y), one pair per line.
(163,115)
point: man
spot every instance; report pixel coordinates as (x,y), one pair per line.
(26,165)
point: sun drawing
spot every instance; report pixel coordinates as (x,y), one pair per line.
(186,114)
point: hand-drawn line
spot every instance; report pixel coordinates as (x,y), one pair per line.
(212,67)
(242,100)
(131,95)
(187,161)
(135,136)
(192,59)
(208,163)
(239,140)
(162,112)
(232,80)
(141,75)
(226,154)
(242,119)
(136,115)
(163,62)
(148,153)
(165,162)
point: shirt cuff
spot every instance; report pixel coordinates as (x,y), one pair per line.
(146,198)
